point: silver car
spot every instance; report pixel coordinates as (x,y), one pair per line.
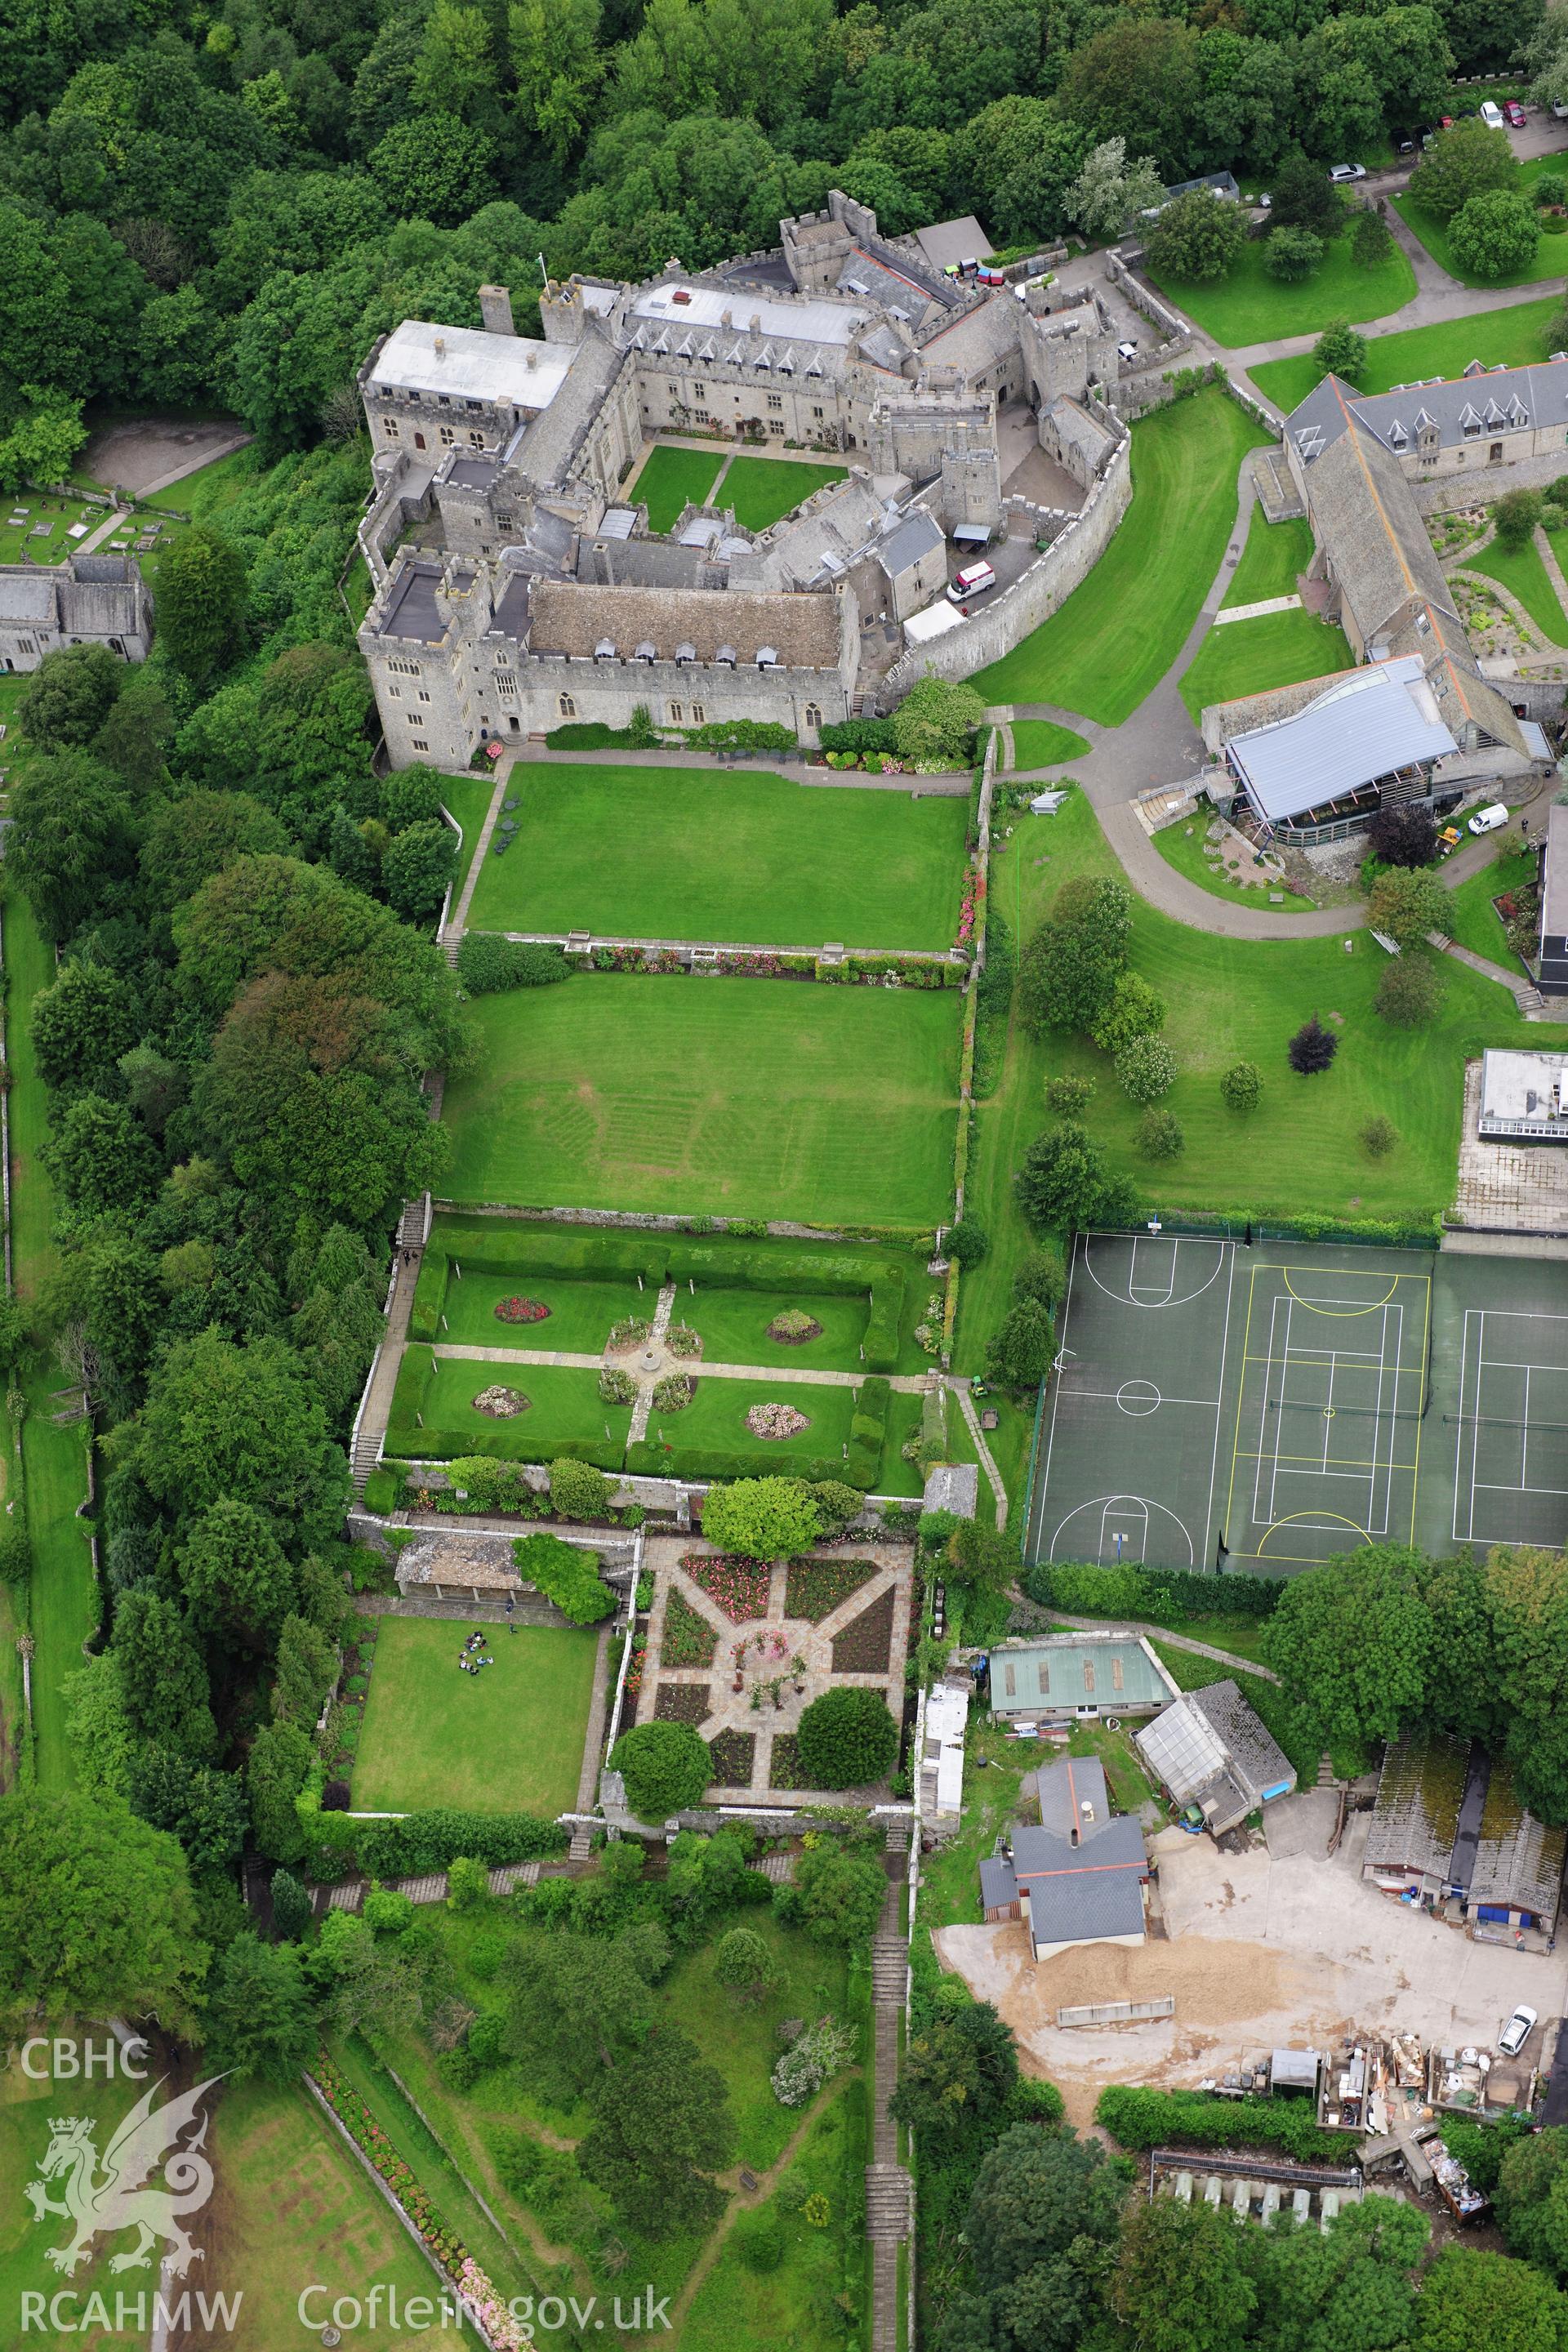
(1342,172)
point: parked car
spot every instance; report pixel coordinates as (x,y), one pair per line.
(1491,114)
(1514,113)
(1560,110)
(1490,819)
(1129,349)
(1517,2032)
(1343,172)
(974,581)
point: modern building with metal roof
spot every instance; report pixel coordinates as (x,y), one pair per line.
(1209,1748)
(1370,728)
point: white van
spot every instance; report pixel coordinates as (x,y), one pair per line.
(972,580)
(1491,115)
(1490,819)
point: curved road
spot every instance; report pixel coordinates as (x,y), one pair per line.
(1158,743)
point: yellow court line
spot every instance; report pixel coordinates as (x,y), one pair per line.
(1425,1401)
(1241,1398)
(1316,1306)
(1335,1461)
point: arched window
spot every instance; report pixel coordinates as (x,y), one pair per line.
(568,708)
(813,715)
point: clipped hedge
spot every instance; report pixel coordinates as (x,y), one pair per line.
(503,1245)
(881,1340)
(408,1443)
(1159,1596)
(867,1432)
(337,1844)
(1143,2119)
(715,1463)
(429,1295)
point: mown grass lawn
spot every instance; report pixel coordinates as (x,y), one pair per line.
(1521,571)
(1272,562)
(797,2302)
(506,1740)
(290,2209)
(564,1407)
(717,1417)
(746,1097)
(578,1323)
(1231,1000)
(1250,306)
(734,1326)
(1041,743)
(1250,656)
(1117,635)
(1550,258)
(672,477)
(1473,919)
(467,798)
(762,490)
(1182,847)
(696,853)
(1515,337)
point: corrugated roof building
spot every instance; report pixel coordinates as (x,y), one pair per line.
(1209,1748)
(1060,1675)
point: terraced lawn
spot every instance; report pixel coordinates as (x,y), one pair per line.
(1474,921)
(506,1740)
(745,1097)
(1230,1000)
(762,490)
(706,854)
(1250,306)
(1117,635)
(564,1408)
(1251,657)
(578,1323)
(1514,336)
(1272,562)
(671,478)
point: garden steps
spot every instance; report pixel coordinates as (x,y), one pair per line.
(890,2203)
(889,1968)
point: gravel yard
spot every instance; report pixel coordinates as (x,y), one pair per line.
(1263,1950)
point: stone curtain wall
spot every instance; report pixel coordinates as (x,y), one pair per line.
(1010,615)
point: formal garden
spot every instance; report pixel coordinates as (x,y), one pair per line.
(697,854)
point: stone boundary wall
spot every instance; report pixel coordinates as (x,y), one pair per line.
(1450,491)
(1034,596)
(642,1221)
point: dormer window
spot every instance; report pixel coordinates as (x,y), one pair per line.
(767,657)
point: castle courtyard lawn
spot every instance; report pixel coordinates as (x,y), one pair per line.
(671,478)
(762,490)
(1251,657)
(740,1098)
(1250,306)
(506,1740)
(1512,337)
(1231,1000)
(710,853)
(1117,635)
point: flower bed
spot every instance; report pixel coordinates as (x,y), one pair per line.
(629,1332)
(682,1703)
(775,1422)
(733,1753)
(501,1403)
(444,2248)
(616,1387)
(739,1586)
(683,1340)
(786,1771)
(689,1639)
(521,1310)
(792,1328)
(816,1587)
(674,1392)
(866,1644)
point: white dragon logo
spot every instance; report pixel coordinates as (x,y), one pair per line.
(102,2197)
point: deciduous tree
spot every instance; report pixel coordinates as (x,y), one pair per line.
(1351,1642)
(662,2127)
(96,1915)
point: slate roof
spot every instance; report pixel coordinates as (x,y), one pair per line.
(1081,1894)
(981,336)
(1519,1861)
(1554,874)
(998,1886)
(1364,515)
(919,534)
(568,617)
(1064,1789)
(1515,397)
(1416,1816)
(26,594)
(1368,723)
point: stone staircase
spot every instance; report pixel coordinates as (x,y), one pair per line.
(889,2203)
(581,1849)
(890,1971)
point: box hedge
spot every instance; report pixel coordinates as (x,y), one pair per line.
(1162,1596)
(1143,2119)
(429,1296)
(337,1844)
(881,1340)
(716,1464)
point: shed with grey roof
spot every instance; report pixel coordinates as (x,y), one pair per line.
(1209,1748)
(915,557)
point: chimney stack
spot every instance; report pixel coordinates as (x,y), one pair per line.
(495,309)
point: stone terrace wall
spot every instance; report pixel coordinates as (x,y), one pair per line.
(1049,580)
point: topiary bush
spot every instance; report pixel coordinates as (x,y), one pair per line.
(487,963)
(665,1768)
(578,1491)
(846,1739)
(1241,1088)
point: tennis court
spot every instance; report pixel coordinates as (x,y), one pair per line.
(1265,1406)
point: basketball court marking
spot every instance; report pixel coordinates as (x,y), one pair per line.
(1506,1402)
(1328,1451)
(1169,1273)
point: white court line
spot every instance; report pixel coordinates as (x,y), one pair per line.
(1219,1408)
(1374,1526)
(1148,1295)
(1079,1246)
(1125,1298)
(1508,1364)
(1459,1439)
(1499,1486)
(1524,1434)
(1113,1396)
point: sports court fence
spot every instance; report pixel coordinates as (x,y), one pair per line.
(1235,1226)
